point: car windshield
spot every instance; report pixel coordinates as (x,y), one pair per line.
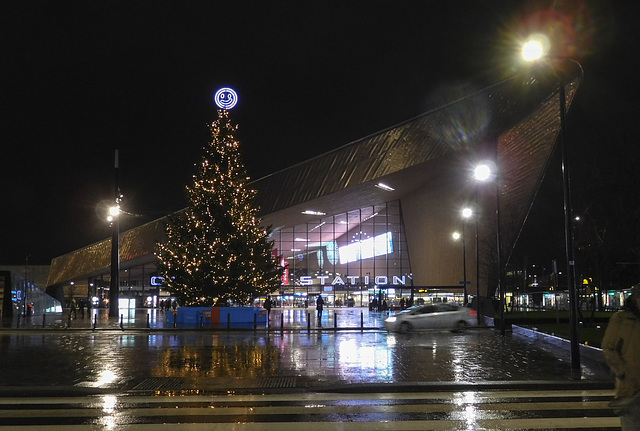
(410,309)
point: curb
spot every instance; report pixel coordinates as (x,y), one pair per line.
(341,388)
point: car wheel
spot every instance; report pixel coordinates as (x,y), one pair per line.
(460,326)
(405,327)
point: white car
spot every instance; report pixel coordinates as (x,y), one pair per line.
(430,316)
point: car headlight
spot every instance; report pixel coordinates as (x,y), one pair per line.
(391,319)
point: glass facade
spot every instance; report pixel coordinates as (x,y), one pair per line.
(139,285)
(348,258)
(19,297)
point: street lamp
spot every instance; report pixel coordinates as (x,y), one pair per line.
(483,173)
(114,220)
(465,213)
(114,286)
(534,49)
(460,236)
(456,237)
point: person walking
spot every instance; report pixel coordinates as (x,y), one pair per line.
(621,347)
(319,308)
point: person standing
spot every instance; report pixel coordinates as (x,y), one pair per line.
(621,347)
(267,306)
(319,308)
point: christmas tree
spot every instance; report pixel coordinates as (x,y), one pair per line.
(216,251)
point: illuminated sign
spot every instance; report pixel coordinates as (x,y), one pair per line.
(307,280)
(376,246)
(226,98)
(157,281)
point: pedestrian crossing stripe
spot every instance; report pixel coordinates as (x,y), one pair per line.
(562,409)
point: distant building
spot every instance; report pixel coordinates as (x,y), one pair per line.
(21,297)
(37,275)
(374,217)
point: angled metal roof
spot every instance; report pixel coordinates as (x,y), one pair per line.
(518,118)
(136,246)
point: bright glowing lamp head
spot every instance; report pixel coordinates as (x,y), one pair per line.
(456,235)
(466,212)
(482,172)
(535,47)
(114,211)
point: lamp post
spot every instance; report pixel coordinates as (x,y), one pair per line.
(460,236)
(478,307)
(533,50)
(466,213)
(483,173)
(114,219)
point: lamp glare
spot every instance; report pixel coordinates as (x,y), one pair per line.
(482,172)
(535,47)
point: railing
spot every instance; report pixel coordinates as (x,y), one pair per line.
(155,319)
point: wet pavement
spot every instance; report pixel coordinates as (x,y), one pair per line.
(143,353)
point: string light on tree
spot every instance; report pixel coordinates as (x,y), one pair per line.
(216,251)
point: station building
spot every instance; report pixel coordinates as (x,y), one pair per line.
(375,217)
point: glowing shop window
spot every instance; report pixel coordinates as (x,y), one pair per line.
(376,246)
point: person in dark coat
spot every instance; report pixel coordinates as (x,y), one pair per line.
(267,306)
(319,308)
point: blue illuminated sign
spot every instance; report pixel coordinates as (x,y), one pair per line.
(157,281)
(226,98)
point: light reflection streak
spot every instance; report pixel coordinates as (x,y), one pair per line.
(375,358)
(391,340)
(470,412)
(106,377)
(109,403)
(458,370)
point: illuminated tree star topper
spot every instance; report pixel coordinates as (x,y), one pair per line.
(226,98)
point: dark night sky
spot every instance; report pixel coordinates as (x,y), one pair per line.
(80,79)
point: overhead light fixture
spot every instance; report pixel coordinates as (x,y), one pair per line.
(310,212)
(370,217)
(385,187)
(316,227)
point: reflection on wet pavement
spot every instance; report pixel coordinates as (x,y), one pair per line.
(115,359)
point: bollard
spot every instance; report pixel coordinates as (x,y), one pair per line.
(282,320)
(335,320)
(148,321)
(175,319)
(44,318)
(309,322)
(228,320)
(361,319)
(95,320)
(69,321)
(202,320)
(255,321)
(122,322)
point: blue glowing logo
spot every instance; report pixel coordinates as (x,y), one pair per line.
(157,280)
(226,98)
